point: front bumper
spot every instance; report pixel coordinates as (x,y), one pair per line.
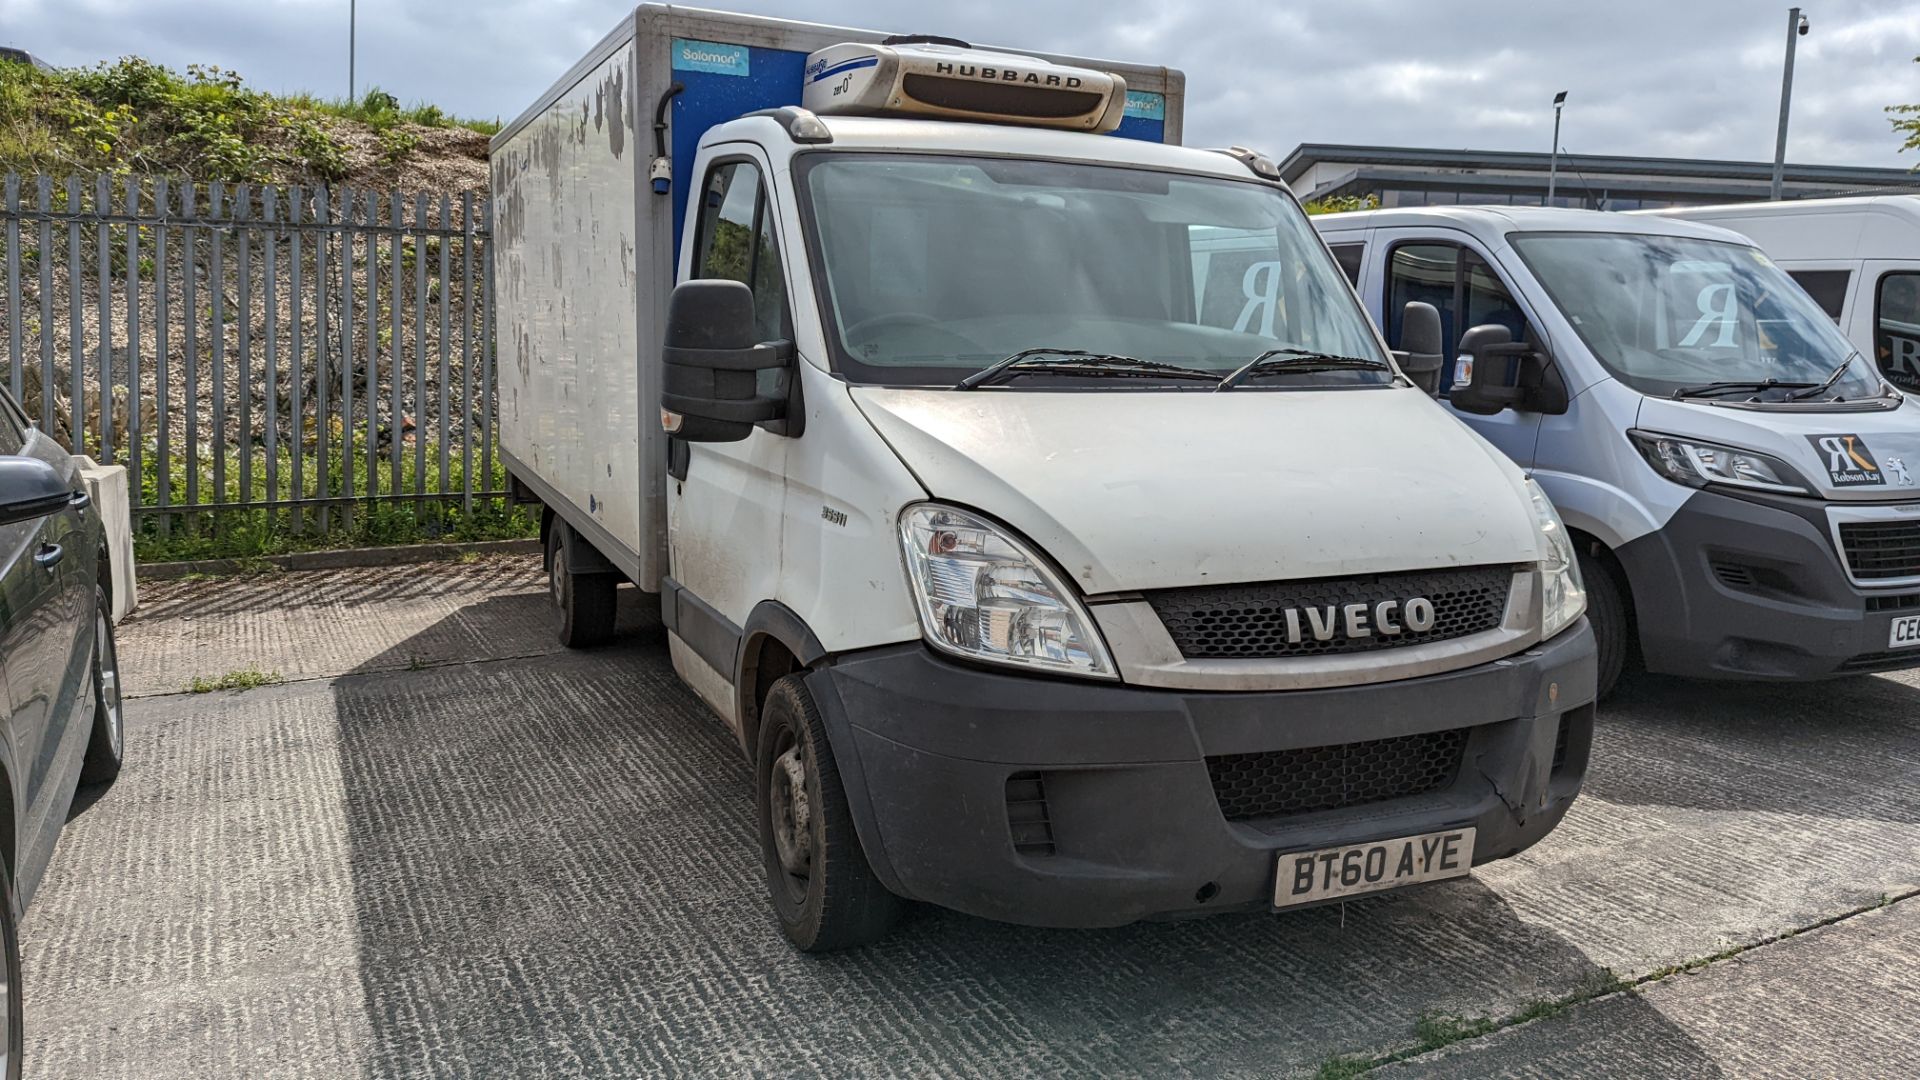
(927,748)
(1752,587)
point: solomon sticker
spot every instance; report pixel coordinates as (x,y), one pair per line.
(1849,463)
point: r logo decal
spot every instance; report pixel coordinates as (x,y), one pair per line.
(1848,461)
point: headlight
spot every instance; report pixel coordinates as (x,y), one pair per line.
(986,596)
(1697,464)
(1563,594)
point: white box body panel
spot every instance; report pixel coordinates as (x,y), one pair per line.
(567,333)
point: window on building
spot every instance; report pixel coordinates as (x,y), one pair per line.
(1896,328)
(1827,287)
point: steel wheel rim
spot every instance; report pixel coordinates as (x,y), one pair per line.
(556,583)
(106,673)
(790,811)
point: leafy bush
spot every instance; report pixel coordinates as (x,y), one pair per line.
(136,116)
(396,144)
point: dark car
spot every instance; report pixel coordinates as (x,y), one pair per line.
(58,671)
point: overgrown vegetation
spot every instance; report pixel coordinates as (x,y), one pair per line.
(1340,204)
(133,116)
(242,534)
(247,678)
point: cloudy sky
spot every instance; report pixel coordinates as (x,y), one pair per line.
(1688,78)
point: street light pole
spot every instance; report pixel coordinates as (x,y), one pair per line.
(1796,28)
(351,16)
(1553,160)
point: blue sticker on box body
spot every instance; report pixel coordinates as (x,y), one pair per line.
(1146,105)
(712,57)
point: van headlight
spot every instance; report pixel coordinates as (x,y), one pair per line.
(986,596)
(1563,594)
(1697,464)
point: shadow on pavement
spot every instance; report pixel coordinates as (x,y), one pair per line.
(1847,748)
(554,871)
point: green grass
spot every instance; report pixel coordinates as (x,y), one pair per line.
(252,534)
(133,116)
(247,678)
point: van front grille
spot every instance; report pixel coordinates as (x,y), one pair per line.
(1277,783)
(1881,550)
(1249,622)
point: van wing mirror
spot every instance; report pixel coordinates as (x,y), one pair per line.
(1493,373)
(710,384)
(29,489)
(1422,348)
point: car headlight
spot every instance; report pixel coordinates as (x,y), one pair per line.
(986,596)
(1697,464)
(1563,594)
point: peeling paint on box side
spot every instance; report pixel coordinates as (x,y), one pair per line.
(564,261)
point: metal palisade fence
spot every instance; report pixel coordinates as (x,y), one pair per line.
(282,356)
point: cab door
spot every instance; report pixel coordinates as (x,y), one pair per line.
(1444,268)
(726,500)
(45,642)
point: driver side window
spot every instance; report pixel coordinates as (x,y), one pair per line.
(736,241)
(1464,287)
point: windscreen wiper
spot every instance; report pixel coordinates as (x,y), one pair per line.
(1293,360)
(1802,395)
(1717,389)
(1078,362)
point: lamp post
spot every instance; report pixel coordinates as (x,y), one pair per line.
(1797,27)
(1553,160)
(351,15)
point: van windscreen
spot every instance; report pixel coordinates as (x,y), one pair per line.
(1681,315)
(934,267)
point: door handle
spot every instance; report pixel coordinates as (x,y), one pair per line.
(49,555)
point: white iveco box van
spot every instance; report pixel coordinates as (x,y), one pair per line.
(1029,494)
(1735,474)
(1859,258)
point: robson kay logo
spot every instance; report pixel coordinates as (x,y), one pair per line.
(1848,461)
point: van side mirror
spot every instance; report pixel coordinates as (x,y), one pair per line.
(710,386)
(1421,349)
(30,489)
(1493,373)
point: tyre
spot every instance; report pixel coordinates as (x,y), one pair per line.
(824,892)
(587,603)
(12,1041)
(1607,613)
(107,745)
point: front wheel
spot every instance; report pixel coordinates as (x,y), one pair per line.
(107,746)
(1607,614)
(824,892)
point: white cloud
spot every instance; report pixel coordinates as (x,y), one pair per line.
(1646,76)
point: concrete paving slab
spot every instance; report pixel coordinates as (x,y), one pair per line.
(1838,1001)
(545,865)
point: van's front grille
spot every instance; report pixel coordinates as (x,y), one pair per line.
(1250,622)
(1277,783)
(1881,550)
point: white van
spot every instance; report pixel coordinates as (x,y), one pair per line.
(1859,258)
(1029,495)
(1735,474)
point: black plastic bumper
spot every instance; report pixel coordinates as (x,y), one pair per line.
(927,747)
(1753,588)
